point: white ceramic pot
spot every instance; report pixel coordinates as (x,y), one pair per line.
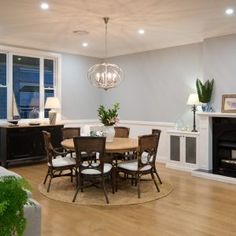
(109,133)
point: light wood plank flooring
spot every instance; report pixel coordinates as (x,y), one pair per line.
(195,207)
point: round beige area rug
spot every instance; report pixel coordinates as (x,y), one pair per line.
(63,190)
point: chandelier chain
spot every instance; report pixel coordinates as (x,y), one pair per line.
(106,19)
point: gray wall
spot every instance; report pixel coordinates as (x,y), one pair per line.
(157,84)
(79,99)
(220,64)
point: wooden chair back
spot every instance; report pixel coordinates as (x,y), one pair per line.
(121,132)
(147,150)
(158,133)
(93,148)
(70,132)
(48,146)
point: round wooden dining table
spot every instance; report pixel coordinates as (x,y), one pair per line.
(119,145)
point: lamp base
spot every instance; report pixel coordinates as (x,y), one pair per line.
(194,130)
(52,117)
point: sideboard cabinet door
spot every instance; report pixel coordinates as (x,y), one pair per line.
(19,144)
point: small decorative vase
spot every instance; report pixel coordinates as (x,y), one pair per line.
(206,107)
(109,133)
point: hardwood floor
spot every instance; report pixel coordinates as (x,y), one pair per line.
(195,207)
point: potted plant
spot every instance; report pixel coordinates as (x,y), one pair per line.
(204,91)
(13,197)
(109,117)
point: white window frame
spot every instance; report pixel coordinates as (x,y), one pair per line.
(41,55)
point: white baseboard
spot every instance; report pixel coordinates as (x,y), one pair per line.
(221,178)
(179,167)
(161,159)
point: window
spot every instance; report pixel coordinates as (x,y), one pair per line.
(31,80)
(48,81)
(25,97)
(3,86)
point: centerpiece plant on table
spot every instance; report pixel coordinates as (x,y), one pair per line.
(109,117)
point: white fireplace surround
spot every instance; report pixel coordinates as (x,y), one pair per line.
(205,146)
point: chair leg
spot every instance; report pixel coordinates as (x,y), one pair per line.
(77,178)
(158,190)
(137,179)
(116,180)
(49,184)
(158,177)
(81,179)
(104,190)
(71,177)
(132,180)
(46,177)
(113,180)
(76,193)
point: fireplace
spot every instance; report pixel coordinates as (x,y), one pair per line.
(224,146)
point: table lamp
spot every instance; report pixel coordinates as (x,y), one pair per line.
(52,103)
(194,101)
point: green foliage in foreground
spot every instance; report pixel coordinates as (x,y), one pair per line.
(13,197)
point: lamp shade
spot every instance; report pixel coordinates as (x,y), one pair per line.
(193,99)
(52,103)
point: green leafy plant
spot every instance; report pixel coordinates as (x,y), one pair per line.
(108,116)
(13,197)
(204,90)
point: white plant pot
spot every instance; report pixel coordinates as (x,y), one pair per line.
(109,133)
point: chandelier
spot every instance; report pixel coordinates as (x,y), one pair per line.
(105,75)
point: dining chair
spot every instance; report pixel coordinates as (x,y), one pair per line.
(57,161)
(70,132)
(145,163)
(90,168)
(121,132)
(158,133)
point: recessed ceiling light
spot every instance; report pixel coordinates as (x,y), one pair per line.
(141,31)
(229,11)
(85,44)
(44,6)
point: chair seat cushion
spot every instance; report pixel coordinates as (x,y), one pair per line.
(132,165)
(63,161)
(90,171)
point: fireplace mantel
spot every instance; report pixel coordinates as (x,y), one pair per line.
(216,114)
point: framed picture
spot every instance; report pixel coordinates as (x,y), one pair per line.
(228,103)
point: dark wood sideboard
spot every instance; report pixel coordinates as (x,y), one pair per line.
(22,143)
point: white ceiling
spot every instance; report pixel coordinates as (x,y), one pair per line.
(166,22)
